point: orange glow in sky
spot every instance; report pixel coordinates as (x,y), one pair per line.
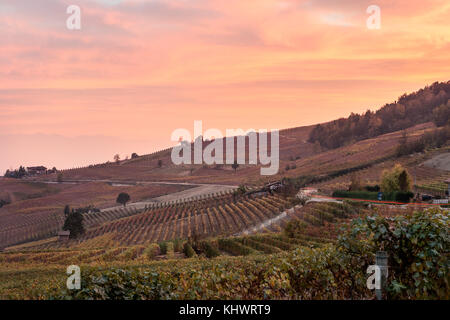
(137,70)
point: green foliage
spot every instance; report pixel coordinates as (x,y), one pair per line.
(271,240)
(294,228)
(74,224)
(234,247)
(151,251)
(403,196)
(177,245)
(170,250)
(300,274)
(210,250)
(375,188)
(418,247)
(397,179)
(242,189)
(367,195)
(188,251)
(163,247)
(260,246)
(399,196)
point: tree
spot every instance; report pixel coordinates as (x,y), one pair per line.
(4,202)
(74,223)
(396,179)
(66,210)
(117,158)
(16,174)
(428,104)
(59,177)
(22,171)
(355,184)
(403,138)
(188,251)
(235,165)
(123,198)
(404,181)
(441,114)
(134,155)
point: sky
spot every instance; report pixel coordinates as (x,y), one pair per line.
(137,70)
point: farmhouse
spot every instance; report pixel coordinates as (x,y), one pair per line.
(63,235)
(36,170)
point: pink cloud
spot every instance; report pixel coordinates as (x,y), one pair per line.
(148,67)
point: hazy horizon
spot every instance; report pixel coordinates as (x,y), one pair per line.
(139,69)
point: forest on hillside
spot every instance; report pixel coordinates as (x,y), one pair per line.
(431,103)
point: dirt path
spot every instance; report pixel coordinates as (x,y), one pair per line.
(269,222)
(441,162)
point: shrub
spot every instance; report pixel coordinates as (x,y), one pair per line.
(188,251)
(397,179)
(294,228)
(399,196)
(403,196)
(284,245)
(170,251)
(163,247)
(152,251)
(375,188)
(209,249)
(123,198)
(417,246)
(177,245)
(367,195)
(74,224)
(266,248)
(234,247)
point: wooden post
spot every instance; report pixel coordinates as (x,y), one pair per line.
(381,260)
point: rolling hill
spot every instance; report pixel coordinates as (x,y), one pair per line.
(36,211)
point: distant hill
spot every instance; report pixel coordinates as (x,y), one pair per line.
(36,210)
(426,105)
(301,147)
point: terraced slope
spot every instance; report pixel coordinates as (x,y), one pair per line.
(217,216)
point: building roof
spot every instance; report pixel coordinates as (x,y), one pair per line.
(37,168)
(64,233)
